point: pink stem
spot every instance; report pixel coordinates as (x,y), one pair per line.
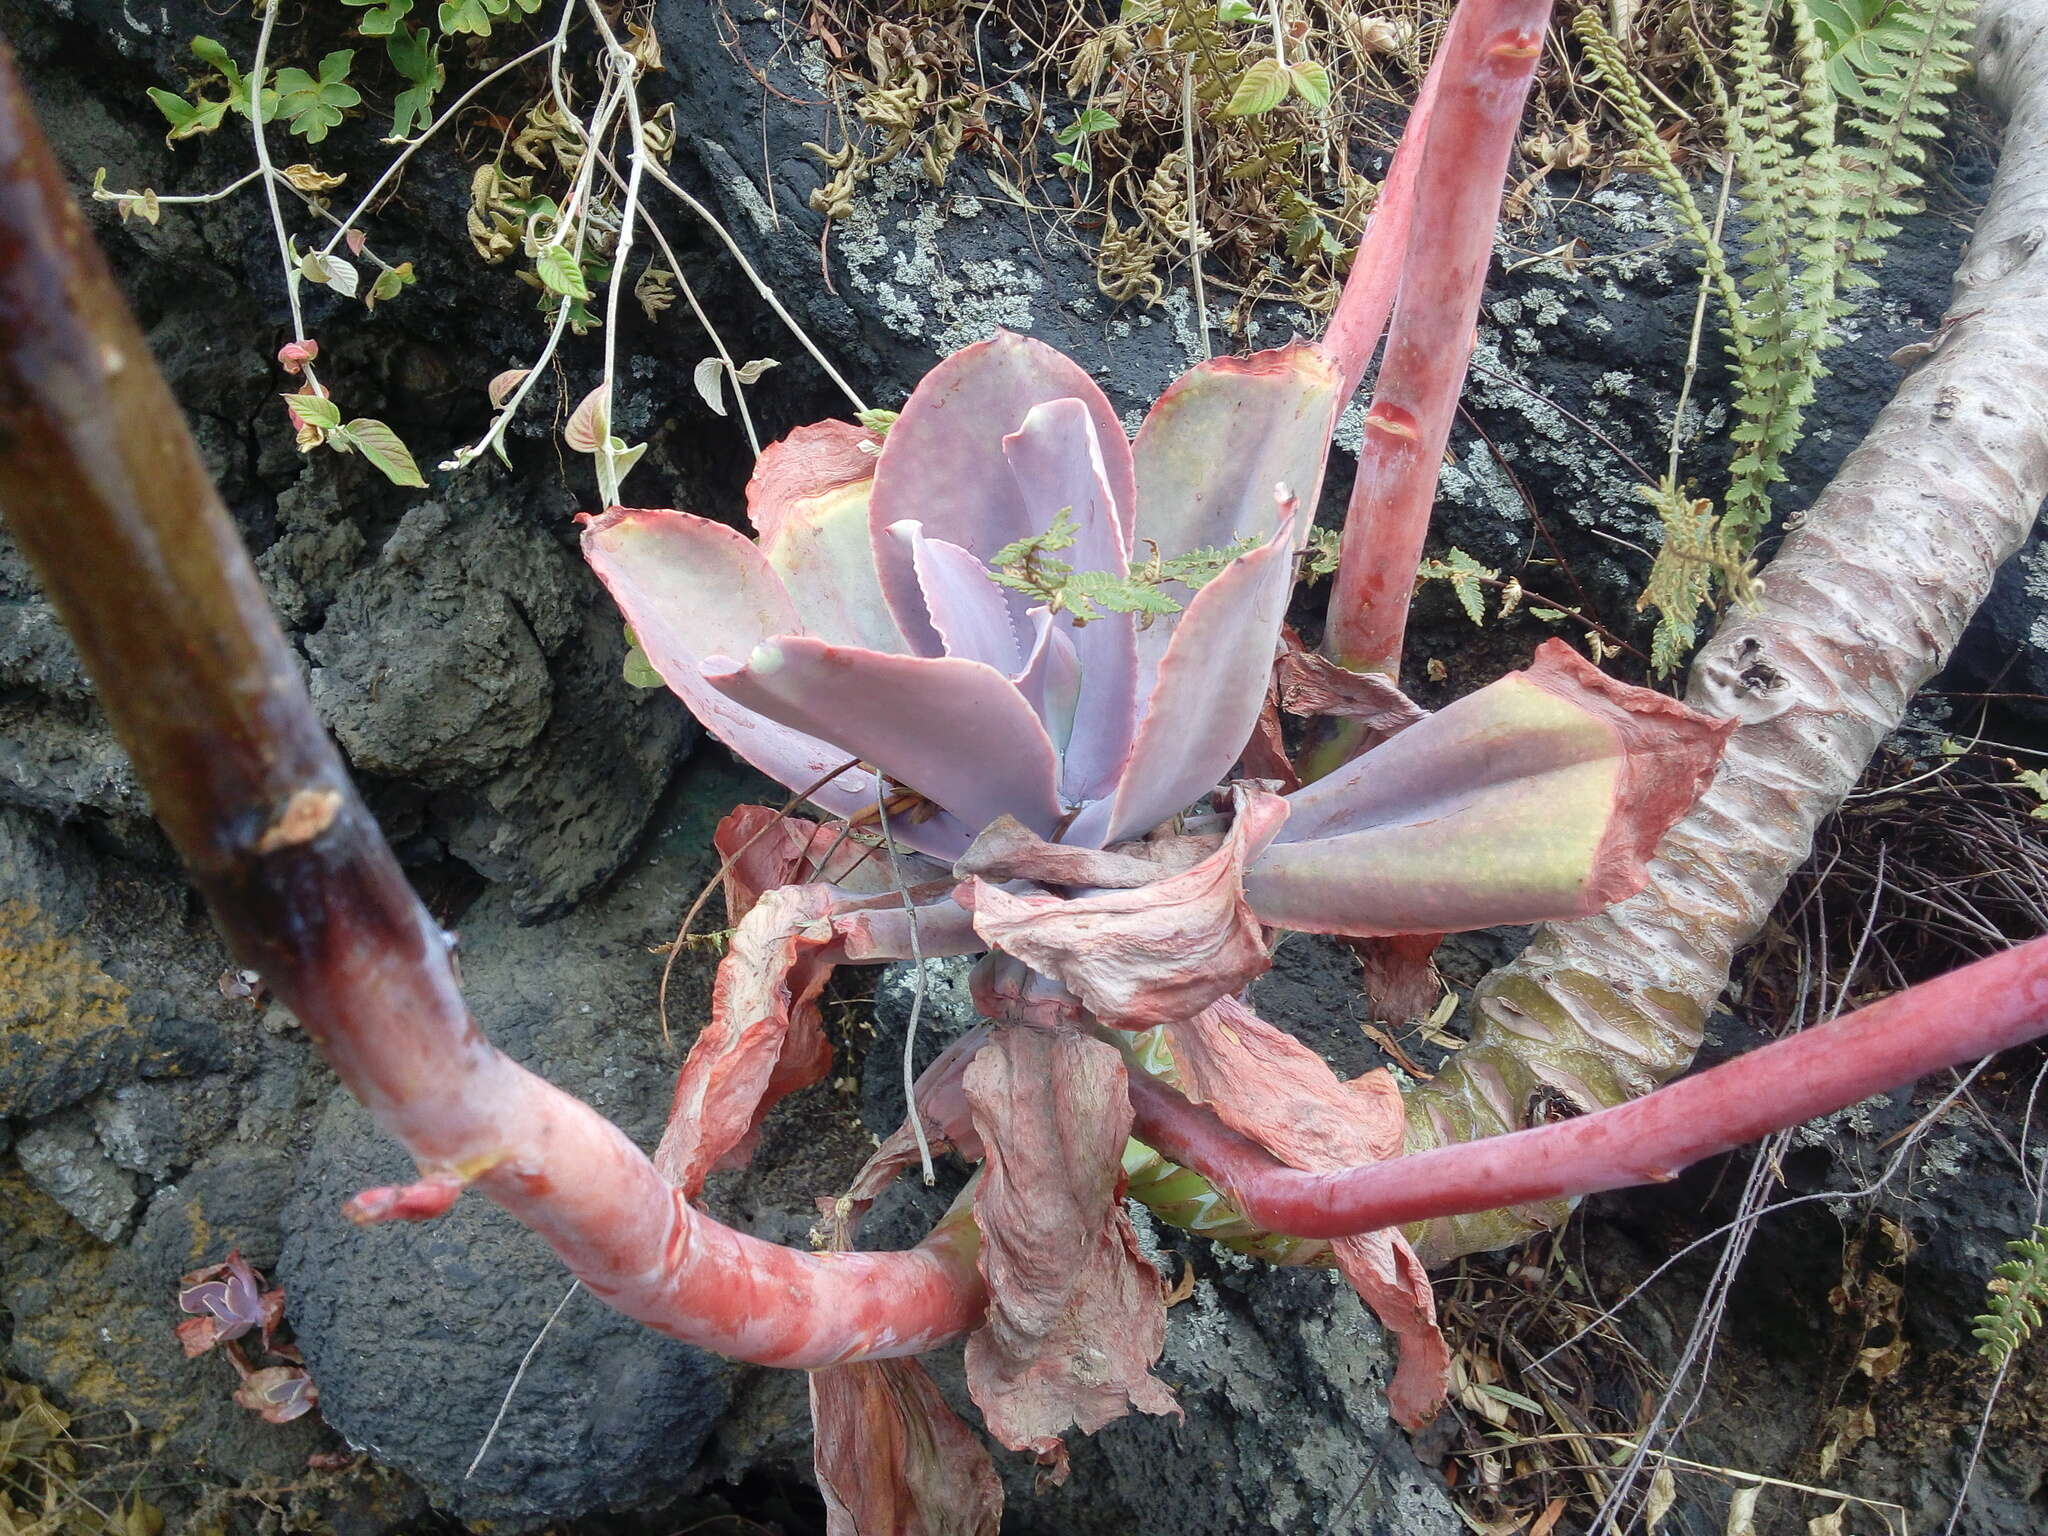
(1376,266)
(1974,1012)
(1488,58)
(104,492)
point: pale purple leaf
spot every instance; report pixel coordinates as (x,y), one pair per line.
(1056,457)
(971,614)
(822,552)
(1205,701)
(943,464)
(1051,677)
(958,732)
(1212,449)
(692,588)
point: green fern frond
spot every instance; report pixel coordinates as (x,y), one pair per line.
(1466,576)
(2017,1295)
(1625,94)
(1916,57)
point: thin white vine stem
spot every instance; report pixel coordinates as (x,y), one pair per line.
(284,242)
(760,284)
(575,207)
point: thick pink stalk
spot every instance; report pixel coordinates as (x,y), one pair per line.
(102,487)
(1376,266)
(1487,60)
(1970,1013)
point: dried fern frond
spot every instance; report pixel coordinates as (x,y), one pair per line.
(1699,554)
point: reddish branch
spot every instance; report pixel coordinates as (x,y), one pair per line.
(102,487)
(1968,1014)
(1485,65)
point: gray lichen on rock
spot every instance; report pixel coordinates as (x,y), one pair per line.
(900,245)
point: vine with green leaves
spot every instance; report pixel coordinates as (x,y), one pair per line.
(563,196)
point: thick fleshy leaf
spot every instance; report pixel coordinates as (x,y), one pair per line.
(1008,850)
(809,463)
(1051,677)
(1056,457)
(1265,1084)
(1206,697)
(943,462)
(1146,956)
(822,552)
(958,732)
(893,1460)
(1076,1315)
(764,1039)
(971,613)
(692,588)
(1213,448)
(1537,798)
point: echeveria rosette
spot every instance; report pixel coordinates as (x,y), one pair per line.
(864,621)
(865,624)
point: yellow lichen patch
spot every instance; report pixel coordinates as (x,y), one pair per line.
(60,1014)
(51,986)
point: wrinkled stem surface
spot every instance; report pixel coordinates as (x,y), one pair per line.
(101,485)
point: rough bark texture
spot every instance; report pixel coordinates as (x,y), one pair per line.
(1864,602)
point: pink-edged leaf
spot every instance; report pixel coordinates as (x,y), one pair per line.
(278,1393)
(762,848)
(764,1039)
(1537,798)
(943,463)
(1050,679)
(1076,1315)
(808,501)
(1265,1084)
(229,1294)
(809,463)
(590,422)
(821,550)
(1206,698)
(692,588)
(958,732)
(1056,457)
(1006,849)
(1142,957)
(1211,452)
(1312,684)
(968,610)
(893,1460)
